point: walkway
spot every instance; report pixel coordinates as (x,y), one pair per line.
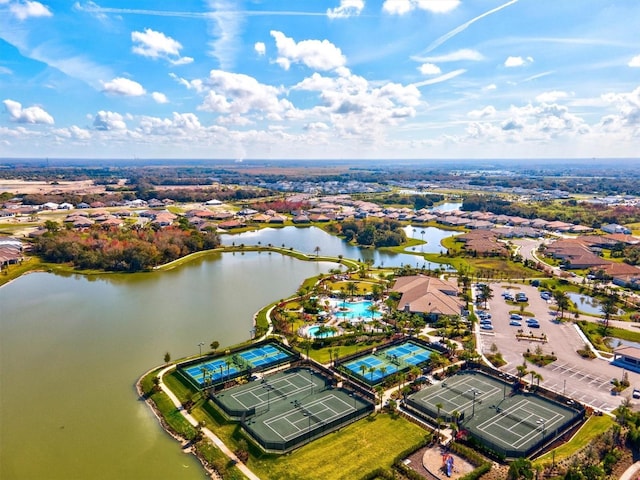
(208,433)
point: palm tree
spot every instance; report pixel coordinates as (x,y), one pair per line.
(317,251)
(486,292)
(363,369)
(562,300)
(539,378)
(438,406)
(522,369)
(351,288)
(371,371)
(608,308)
(343,295)
(383,371)
(373,308)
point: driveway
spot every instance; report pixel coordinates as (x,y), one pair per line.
(586,381)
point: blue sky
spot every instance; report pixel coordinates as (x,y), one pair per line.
(320,79)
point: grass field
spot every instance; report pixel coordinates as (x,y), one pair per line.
(592,428)
(346,454)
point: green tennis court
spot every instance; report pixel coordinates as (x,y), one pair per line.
(291,408)
(509,421)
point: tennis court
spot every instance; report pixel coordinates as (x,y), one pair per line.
(290,408)
(221,369)
(260,394)
(376,366)
(510,421)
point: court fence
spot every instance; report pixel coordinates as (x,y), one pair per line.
(317,431)
(357,377)
(242,365)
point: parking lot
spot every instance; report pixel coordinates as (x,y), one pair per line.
(584,380)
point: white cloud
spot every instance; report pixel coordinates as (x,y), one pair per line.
(429,69)
(107,121)
(153,44)
(159,97)
(551,97)
(441,78)
(319,55)
(628,105)
(511,62)
(457,56)
(5,71)
(634,62)
(490,87)
(236,93)
(260,48)
(487,112)
(401,7)
(346,9)
(28,9)
(73,132)
(226,22)
(32,114)
(123,86)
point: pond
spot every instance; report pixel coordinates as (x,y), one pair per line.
(586,304)
(72,348)
(306,239)
(432,235)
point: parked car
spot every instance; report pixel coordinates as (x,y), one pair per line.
(521,297)
(533,325)
(532,320)
(486,326)
(636,393)
(545,295)
(515,323)
(515,316)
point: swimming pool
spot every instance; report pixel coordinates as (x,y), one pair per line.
(355,310)
(314,332)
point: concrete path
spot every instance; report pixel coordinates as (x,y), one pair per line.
(631,472)
(208,433)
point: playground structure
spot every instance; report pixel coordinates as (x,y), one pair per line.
(447,464)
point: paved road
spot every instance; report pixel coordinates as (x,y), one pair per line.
(587,381)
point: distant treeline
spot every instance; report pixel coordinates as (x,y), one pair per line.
(123,250)
(570,211)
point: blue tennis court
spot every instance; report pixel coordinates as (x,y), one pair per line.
(377,365)
(221,369)
(262,356)
(410,353)
(212,371)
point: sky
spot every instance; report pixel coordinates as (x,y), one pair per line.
(314,79)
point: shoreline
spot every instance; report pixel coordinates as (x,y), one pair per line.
(184,443)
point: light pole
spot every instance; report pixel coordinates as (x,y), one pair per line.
(541,422)
(200,345)
(473,407)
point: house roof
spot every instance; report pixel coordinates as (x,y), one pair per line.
(425,294)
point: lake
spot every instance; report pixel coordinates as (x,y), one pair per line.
(306,239)
(72,348)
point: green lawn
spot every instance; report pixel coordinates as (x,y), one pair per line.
(593,427)
(346,454)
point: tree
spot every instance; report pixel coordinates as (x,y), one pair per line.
(562,300)
(167,357)
(352,288)
(363,369)
(439,407)
(317,251)
(520,469)
(608,308)
(486,293)
(371,371)
(214,345)
(373,309)
(522,369)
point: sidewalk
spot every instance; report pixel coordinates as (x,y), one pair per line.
(213,437)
